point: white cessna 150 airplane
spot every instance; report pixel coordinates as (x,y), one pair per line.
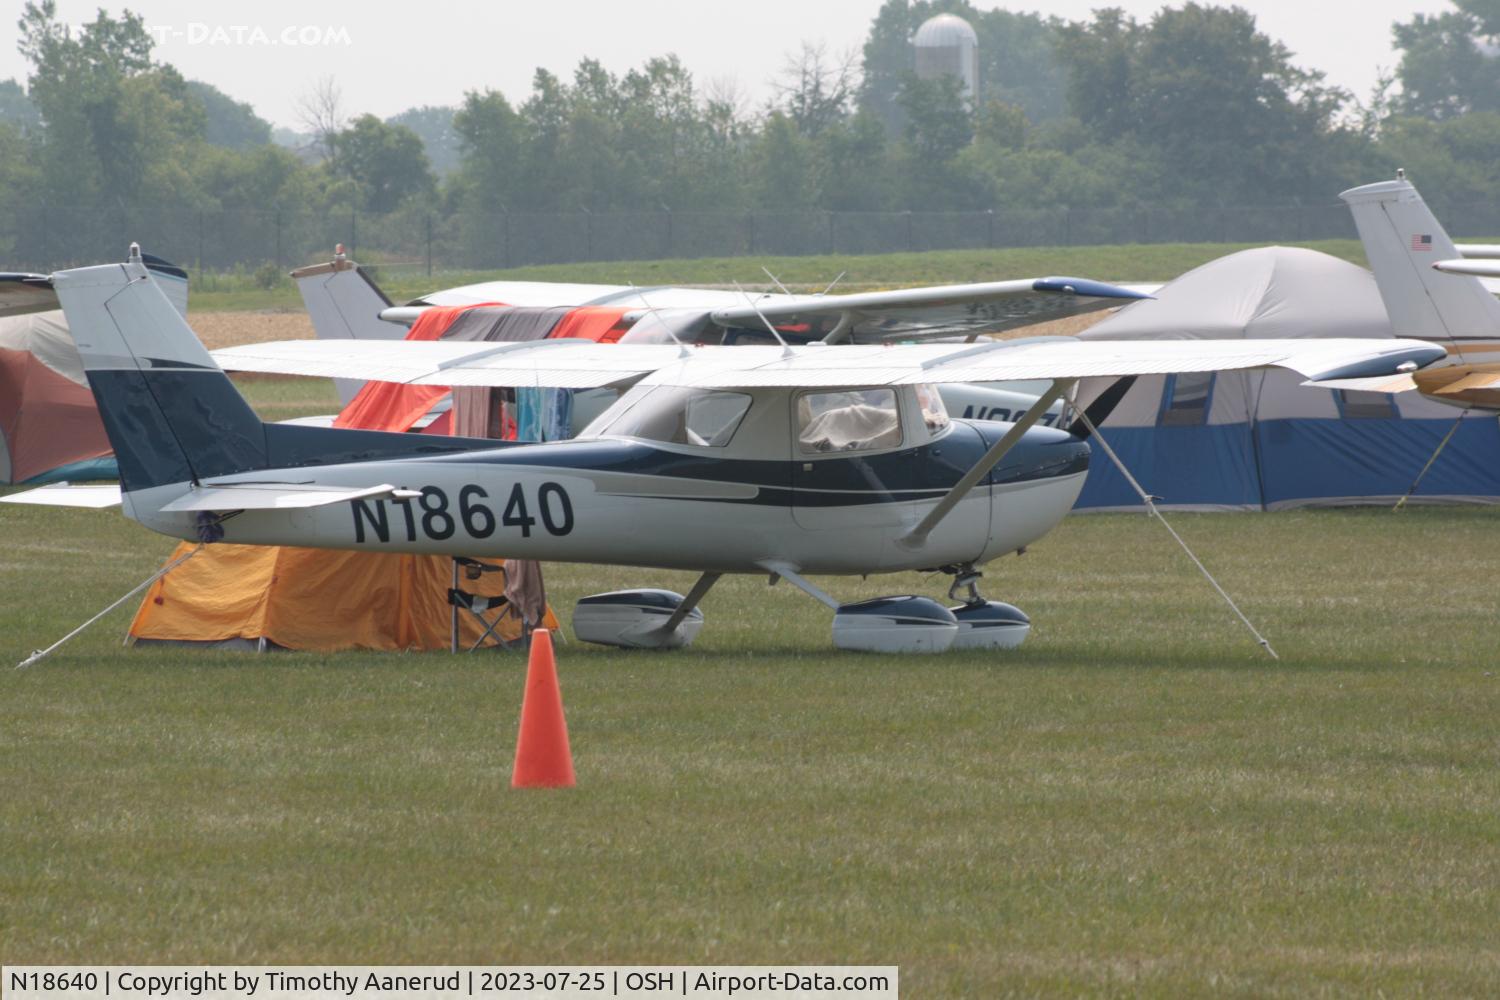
(788,461)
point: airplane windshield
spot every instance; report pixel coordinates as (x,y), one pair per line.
(705,418)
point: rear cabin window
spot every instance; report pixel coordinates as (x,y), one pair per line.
(703,418)
(1187,396)
(850,420)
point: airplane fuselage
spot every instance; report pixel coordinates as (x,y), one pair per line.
(629,502)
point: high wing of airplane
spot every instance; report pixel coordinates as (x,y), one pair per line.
(785,461)
(344,303)
(583,364)
(1430,293)
(23,293)
(710,315)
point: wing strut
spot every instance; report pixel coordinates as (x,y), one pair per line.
(706,581)
(1441,445)
(786,571)
(841,329)
(917,537)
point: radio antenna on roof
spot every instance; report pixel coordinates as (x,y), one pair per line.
(774,332)
(775,280)
(641,292)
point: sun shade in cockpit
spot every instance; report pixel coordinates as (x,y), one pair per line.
(865,420)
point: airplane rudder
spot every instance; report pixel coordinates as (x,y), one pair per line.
(169,410)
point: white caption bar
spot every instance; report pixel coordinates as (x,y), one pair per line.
(446,982)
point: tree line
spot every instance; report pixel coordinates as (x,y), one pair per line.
(1193,107)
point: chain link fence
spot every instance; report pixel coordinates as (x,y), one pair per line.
(43,238)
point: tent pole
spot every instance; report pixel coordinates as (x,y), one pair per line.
(41,654)
(1423,474)
(1150,503)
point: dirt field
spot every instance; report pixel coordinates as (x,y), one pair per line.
(230,329)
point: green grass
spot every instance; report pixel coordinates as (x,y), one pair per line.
(1136,802)
(1143,262)
(277,398)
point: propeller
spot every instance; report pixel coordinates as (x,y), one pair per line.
(1099,410)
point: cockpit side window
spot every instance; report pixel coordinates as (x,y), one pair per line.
(703,418)
(934,410)
(848,420)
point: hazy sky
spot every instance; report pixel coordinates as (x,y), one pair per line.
(387,59)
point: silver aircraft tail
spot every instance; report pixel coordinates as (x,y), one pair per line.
(1403,240)
(345,304)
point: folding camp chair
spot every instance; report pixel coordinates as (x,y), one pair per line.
(490,611)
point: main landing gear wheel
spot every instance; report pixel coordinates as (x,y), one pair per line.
(636,619)
(909,624)
(906,624)
(984,624)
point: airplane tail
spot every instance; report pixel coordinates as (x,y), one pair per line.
(172,280)
(1402,240)
(171,413)
(344,303)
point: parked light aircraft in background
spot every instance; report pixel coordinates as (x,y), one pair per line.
(343,302)
(1431,293)
(787,461)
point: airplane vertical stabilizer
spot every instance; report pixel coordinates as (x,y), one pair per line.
(171,414)
(1402,240)
(344,304)
(172,279)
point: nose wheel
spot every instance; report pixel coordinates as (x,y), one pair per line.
(965,577)
(983,624)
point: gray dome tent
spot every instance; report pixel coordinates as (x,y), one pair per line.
(1261,440)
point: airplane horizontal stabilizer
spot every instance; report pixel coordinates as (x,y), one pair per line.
(67,495)
(1477,268)
(276,496)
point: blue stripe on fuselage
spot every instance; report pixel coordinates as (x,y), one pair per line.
(909,474)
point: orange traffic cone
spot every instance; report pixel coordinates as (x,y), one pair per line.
(543,759)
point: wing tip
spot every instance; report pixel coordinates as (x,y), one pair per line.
(1088,288)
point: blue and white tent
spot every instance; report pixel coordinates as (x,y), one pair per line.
(1262,441)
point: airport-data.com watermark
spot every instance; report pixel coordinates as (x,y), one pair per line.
(287,36)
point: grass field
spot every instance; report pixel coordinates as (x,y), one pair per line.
(1143,262)
(1138,801)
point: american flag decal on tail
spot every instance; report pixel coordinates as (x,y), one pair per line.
(1422,243)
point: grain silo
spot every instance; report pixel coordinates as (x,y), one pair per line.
(946,45)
